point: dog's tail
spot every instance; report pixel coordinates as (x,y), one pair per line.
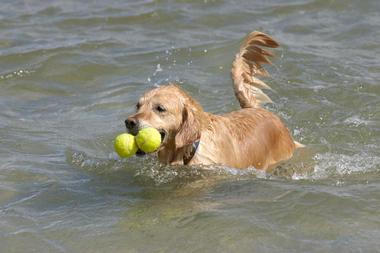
(247,66)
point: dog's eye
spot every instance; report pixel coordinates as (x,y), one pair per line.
(138,105)
(160,108)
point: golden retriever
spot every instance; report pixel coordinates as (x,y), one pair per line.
(249,137)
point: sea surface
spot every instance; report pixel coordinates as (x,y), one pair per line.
(72,71)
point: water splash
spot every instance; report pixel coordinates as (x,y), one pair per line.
(148,171)
(329,163)
(16,73)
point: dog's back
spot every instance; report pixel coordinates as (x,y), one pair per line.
(247,66)
(252,136)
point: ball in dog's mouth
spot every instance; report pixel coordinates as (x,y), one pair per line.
(163,135)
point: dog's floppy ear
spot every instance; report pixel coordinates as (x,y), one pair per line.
(190,129)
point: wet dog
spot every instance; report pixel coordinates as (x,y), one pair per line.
(249,137)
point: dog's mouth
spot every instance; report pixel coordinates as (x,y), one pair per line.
(163,135)
(140,152)
(163,139)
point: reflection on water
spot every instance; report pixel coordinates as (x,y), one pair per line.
(70,73)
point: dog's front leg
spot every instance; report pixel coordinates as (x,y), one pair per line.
(178,158)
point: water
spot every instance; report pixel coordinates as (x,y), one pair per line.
(71,71)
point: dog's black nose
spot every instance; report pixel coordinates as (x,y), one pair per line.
(130,123)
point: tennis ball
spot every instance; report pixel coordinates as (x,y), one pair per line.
(125,145)
(148,139)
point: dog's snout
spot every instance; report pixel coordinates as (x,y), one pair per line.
(131,123)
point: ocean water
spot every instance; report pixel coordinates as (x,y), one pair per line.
(71,72)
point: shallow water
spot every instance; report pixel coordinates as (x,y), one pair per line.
(71,71)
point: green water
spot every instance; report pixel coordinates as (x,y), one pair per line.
(71,72)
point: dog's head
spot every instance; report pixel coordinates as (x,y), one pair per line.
(172,112)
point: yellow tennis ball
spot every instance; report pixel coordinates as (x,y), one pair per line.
(125,145)
(148,139)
